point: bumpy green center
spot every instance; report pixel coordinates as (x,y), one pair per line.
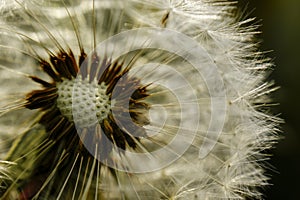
(82,102)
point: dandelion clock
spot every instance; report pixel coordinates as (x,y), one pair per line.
(132,99)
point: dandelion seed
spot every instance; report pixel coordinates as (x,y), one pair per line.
(132,100)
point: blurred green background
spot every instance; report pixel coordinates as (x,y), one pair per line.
(281,33)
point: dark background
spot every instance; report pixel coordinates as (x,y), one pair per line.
(281,33)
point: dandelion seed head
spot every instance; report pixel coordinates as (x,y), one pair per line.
(131,99)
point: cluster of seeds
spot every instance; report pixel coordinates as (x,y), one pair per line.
(83,102)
